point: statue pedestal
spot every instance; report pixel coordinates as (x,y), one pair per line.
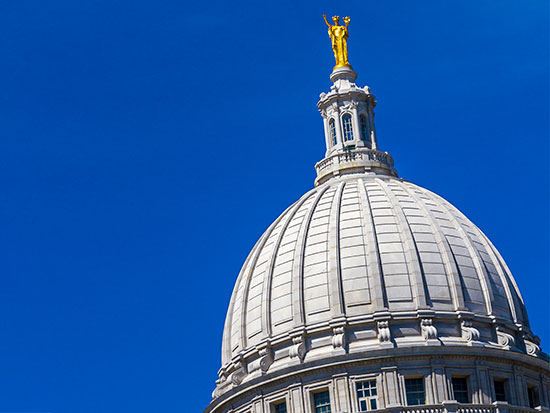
(343,73)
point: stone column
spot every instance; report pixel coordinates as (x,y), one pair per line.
(485,388)
(328,140)
(438,383)
(338,124)
(341,393)
(296,400)
(372,129)
(392,393)
(356,127)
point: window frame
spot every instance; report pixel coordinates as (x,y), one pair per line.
(468,388)
(333,136)
(533,386)
(416,377)
(505,384)
(310,389)
(358,378)
(274,399)
(321,391)
(364,126)
(367,399)
(273,406)
(344,116)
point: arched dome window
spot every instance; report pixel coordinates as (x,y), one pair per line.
(364,128)
(332,128)
(348,129)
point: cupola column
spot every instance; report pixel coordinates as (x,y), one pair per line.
(338,123)
(356,128)
(372,129)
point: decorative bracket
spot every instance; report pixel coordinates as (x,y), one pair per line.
(298,348)
(384,333)
(531,344)
(266,356)
(469,332)
(239,371)
(339,337)
(429,332)
(505,339)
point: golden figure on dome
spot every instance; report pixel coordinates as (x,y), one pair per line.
(338,35)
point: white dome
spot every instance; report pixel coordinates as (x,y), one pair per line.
(365,265)
(362,247)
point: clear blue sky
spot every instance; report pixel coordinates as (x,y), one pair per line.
(146,145)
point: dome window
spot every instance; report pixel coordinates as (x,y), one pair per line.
(321,402)
(366,395)
(279,407)
(500,390)
(460,389)
(416,394)
(364,128)
(533,395)
(332,128)
(348,128)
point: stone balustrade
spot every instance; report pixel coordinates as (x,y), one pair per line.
(453,407)
(354,161)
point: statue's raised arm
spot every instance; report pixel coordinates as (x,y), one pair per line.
(325,17)
(346,20)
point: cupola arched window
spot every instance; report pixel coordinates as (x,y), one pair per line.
(332,129)
(364,128)
(348,128)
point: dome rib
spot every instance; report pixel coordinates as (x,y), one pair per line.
(298,263)
(518,299)
(490,250)
(335,287)
(259,276)
(451,268)
(268,279)
(503,280)
(411,252)
(374,264)
(474,255)
(227,345)
(246,271)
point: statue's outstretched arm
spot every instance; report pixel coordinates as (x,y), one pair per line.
(325,17)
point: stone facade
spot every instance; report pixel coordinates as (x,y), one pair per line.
(369,281)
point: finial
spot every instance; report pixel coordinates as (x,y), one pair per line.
(338,35)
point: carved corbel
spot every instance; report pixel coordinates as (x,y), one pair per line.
(239,371)
(384,333)
(505,339)
(266,356)
(339,337)
(429,332)
(469,332)
(531,344)
(298,348)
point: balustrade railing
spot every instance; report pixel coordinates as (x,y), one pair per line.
(367,155)
(453,407)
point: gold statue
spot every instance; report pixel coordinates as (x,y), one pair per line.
(339,34)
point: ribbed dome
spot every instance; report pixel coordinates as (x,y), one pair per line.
(364,247)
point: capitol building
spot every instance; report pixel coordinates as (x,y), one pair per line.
(370,293)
